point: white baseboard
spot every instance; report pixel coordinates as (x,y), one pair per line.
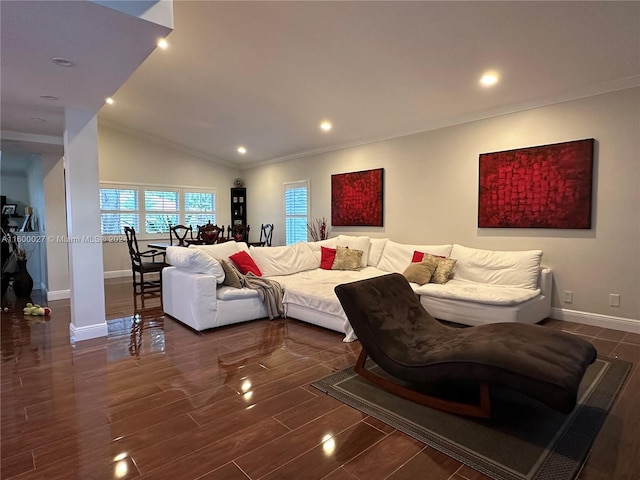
(117,273)
(78,334)
(596,319)
(58,294)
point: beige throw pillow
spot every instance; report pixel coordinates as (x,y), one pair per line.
(420,272)
(444,269)
(231,277)
(347,259)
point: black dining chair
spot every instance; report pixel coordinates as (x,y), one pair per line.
(181,234)
(149,261)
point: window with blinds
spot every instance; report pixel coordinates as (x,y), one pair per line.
(119,209)
(151,210)
(296,208)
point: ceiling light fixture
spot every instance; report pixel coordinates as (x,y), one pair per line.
(63,62)
(242,150)
(162,43)
(109,100)
(489,79)
(326,126)
(38,119)
(48,97)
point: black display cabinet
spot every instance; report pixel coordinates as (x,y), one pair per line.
(238,206)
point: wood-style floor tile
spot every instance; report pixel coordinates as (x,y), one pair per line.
(158,400)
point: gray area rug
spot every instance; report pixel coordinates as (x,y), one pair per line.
(524,439)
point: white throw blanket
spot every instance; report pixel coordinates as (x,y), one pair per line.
(270,291)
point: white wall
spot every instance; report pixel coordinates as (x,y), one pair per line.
(54,225)
(431,193)
(130,159)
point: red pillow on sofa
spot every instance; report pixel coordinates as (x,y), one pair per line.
(418,256)
(327,257)
(245,263)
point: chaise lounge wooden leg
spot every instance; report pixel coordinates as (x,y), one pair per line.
(481,410)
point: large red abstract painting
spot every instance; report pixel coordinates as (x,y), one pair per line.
(356,198)
(537,187)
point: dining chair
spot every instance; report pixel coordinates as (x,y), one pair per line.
(149,261)
(239,233)
(181,234)
(266,233)
(208,234)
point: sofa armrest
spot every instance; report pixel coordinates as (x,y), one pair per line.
(190,297)
(545,281)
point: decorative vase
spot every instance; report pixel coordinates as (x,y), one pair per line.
(22,281)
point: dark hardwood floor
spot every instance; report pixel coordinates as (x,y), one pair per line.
(156,400)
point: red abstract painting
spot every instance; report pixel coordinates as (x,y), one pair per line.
(537,187)
(356,198)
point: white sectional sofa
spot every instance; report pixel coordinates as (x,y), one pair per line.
(485,287)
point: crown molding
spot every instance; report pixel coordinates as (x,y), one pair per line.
(574,94)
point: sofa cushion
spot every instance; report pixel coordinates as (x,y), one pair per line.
(376,246)
(477,292)
(195,261)
(284,260)
(327,256)
(231,278)
(221,250)
(507,268)
(420,272)
(357,243)
(245,263)
(347,259)
(397,256)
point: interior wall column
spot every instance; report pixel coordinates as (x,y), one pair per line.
(86,273)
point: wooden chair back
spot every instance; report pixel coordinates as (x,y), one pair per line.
(266,234)
(181,234)
(209,234)
(239,233)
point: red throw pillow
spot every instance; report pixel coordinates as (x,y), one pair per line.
(245,263)
(328,255)
(417,257)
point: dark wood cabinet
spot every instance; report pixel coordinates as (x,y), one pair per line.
(238,206)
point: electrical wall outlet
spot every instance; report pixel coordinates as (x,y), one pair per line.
(614,299)
(568,296)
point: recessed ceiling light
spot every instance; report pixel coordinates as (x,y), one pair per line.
(48,97)
(326,126)
(38,119)
(62,62)
(109,100)
(489,79)
(162,43)
(242,150)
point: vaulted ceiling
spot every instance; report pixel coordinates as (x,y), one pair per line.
(263,75)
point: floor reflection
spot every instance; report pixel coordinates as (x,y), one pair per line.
(137,335)
(24,339)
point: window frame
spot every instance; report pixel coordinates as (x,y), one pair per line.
(291,185)
(142,212)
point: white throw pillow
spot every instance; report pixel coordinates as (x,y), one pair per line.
(506,268)
(195,261)
(316,247)
(397,256)
(376,246)
(356,243)
(284,260)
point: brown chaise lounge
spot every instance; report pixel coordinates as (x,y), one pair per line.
(400,336)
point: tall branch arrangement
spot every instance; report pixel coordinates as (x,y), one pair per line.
(318,229)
